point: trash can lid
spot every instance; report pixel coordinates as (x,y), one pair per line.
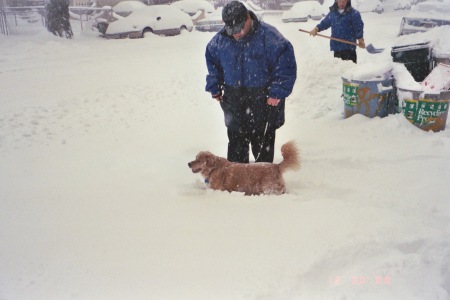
(369,72)
(409,47)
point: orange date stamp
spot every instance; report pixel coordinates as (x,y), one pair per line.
(378,280)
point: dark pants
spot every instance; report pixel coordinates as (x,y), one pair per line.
(250,122)
(262,144)
(346,55)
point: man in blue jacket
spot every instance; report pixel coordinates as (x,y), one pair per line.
(251,71)
(346,24)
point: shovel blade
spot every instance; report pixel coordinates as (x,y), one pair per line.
(371,49)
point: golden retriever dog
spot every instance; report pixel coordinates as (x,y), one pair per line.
(252,179)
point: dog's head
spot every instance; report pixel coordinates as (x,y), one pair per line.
(204,163)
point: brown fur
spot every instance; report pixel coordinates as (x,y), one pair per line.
(252,179)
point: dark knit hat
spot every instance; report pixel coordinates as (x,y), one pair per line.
(234,15)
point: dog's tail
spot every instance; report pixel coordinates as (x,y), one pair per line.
(291,157)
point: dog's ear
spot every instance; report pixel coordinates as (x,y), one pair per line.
(210,160)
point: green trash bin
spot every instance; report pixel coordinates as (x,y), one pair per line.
(425,110)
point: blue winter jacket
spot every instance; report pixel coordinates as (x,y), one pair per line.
(347,26)
(262,59)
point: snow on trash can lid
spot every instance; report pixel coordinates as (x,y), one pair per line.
(369,72)
(441,45)
(367,90)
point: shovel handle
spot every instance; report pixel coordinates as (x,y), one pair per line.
(332,38)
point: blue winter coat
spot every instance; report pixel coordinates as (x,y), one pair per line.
(347,26)
(261,61)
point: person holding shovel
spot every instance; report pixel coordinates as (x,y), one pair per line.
(251,70)
(346,24)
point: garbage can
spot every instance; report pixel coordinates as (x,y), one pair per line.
(370,97)
(415,57)
(427,111)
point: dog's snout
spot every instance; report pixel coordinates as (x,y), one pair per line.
(189,164)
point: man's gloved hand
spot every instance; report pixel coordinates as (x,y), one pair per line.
(272,101)
(361,43)
(314,31)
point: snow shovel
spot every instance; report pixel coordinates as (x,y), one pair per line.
(370,48)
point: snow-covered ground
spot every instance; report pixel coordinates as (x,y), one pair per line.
(97,200)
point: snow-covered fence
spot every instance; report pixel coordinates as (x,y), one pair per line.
(21,19)
(89,15)
(30,19)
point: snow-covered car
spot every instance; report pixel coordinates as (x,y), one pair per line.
(212,22)
(410,25)
(364,6)
(327,4)
(125,8)
(191,7)
(302,11)
(442,7)
(158,19)
(391,5)
(254,8)
(425,16)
